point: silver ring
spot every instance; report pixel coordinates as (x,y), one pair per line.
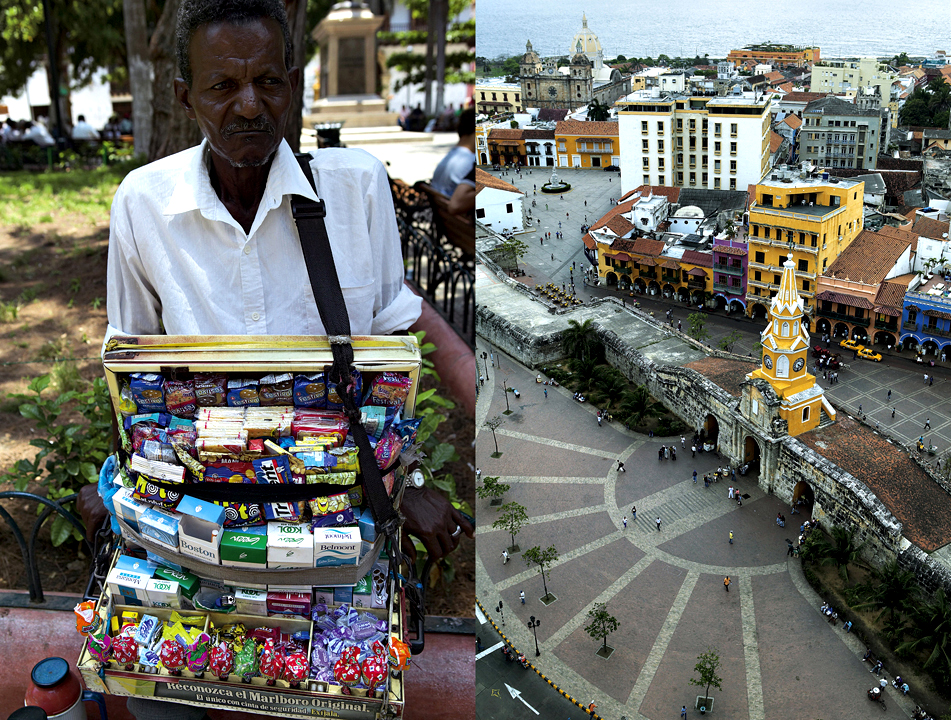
(458,531)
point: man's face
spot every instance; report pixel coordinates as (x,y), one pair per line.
(240,91)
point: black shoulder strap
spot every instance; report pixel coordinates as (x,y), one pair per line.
(319,259)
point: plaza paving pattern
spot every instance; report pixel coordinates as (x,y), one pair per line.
(780,659)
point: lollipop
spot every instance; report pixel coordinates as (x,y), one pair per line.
(246,661)
(347,668)
(172,656)
(272,661)
(374,669)
(125,651)
(221,660)
(198,655)
(295,665)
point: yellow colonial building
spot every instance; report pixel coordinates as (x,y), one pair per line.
(583,144)
(785,358)
(811,215)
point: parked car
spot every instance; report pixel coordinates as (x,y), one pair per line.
(611,168)
(851,344)
(869,354)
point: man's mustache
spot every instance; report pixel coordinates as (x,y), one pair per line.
(257,125)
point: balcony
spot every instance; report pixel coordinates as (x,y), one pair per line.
(697,284)
(671,277)
(728,289)
(802,213)
(936,331)
(863,322)
(886,325)
(728,269)
(648,274)
(910,326)
(586,149)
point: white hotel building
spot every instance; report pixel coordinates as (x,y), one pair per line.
(701,141)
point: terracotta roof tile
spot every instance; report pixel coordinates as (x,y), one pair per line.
(619,225)
(786,87)
(670,264)
(775,141)
(792,121)
(803,97)
(930,228)
(484,180)
(938,314)
(697,272)
(891,295)
(868,258)
(695,257)
(901,235)
(538,134)
(844,299)
(552,114)
(729,250)
(671,193)
(590,129)
(505,134)
(646,246)
(728,374)
(919,503)
(614,212)
(774,76)
(589,241)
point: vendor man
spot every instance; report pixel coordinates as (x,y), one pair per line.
(203,242)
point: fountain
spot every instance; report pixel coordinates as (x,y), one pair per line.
(555,184)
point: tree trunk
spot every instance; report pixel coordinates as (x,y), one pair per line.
(140,72)
(172,131)
(428,75)
(441,9)
(297,21)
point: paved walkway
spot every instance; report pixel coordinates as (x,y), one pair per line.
(861,382)
(780,659)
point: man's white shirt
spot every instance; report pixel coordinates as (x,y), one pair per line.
(179,260)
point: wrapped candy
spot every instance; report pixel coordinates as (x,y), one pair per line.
(347,669)
(100,649)
(399,653)
(87,619)
(172,656)
(295,665)
(272,662)
(125,651)
(197,660)
(373,670)
(246,661)
(221,660)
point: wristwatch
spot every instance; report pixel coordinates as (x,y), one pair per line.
(416,479)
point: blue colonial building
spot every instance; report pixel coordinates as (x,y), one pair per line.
(926,317)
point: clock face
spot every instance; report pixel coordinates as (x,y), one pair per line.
(551,71)
(552,91)
(799,364)
(768,362)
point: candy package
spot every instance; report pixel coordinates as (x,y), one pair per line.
(210,390)
(310,391)
(180,398)
(147,392)
(277,390)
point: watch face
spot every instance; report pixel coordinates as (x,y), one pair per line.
(552,91)
(768,362)
(799,365)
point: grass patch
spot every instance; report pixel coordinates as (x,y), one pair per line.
(9,311)
(52,350)
(65,377)
(30,198)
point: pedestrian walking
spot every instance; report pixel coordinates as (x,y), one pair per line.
(620,466)
(889,396)
(729,492)
(586,203)
(893,413)
(505,556)
(927,423)
(546,393)
(521,596)
(624,520)
(726,583)
(860,408)
(926,378)
(679,326)
(931,381)
(683,711)
(634,512)
(731,537)
(599,419)
(694,477)
(683,441)
(658,523)
(553,256)
(693,451)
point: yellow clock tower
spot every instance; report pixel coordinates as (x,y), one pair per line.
(785,357)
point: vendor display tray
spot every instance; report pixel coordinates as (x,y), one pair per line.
(313,699)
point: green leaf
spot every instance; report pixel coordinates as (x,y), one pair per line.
(72,467)
(442,402)
(440,455)
(89,471)
(29,410)
(60,530)
(39,384)
(445,483)
(425,395)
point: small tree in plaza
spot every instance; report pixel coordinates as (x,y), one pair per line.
(493,425)
(514,248)
(493,489)
(544,559)
(697,321)
(602,623)
(706,668)
(512,518)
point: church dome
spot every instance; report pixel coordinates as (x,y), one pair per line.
(585,41)
(689,211)
(580,59)
(530,55)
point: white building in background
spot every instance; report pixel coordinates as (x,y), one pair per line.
(93,101)
(701,141)
(498,204)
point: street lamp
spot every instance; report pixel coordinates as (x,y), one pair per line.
(499,608)
(533,623)
(506,393)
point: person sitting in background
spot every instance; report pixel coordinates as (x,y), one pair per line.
(462,202)
(455,167)
(82,130)
(37,134)
(125,125)
(9,132)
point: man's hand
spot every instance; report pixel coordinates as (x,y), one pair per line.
(433,519)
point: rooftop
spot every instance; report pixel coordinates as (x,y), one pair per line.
(834,106)
(728,374)
(595,129)
(868,258)
(712,201)
(487,180)
(931,228)
(916,500)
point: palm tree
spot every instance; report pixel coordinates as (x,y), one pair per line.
(931,630)
(583,370)
(598,110)
(610,385)
(894,590)
(579,340)
(841,551)
(637,404)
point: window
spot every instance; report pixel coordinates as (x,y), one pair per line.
(480,212)
(693,124)
(693,161)
(693,178)
(716,129)
(680,178)
(661,180)
(644,145)
(680,158)
(732,148)
(785,330)
(516,97)
(703,178)
(680,124)
(733,170)
(647,179)
(716,183)
(647,163)
(508,207)
(493,96)
(716,165)
(703,161)
(644,126)
(803,266)
(716,147)
(805,414)
(805,285)
(755,230)
(776,279)
(912,315)
(815,240)
(693,143)
(760,257)
(766,232)
(660,163)
(483,96)
(758,276)
(660,146)
(732,129)
(505,97)
(782,366)
(660,128)
(732,183)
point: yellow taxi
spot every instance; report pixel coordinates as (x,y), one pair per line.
(869,354)
(851,345)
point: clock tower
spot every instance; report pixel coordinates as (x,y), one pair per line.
(785,358)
